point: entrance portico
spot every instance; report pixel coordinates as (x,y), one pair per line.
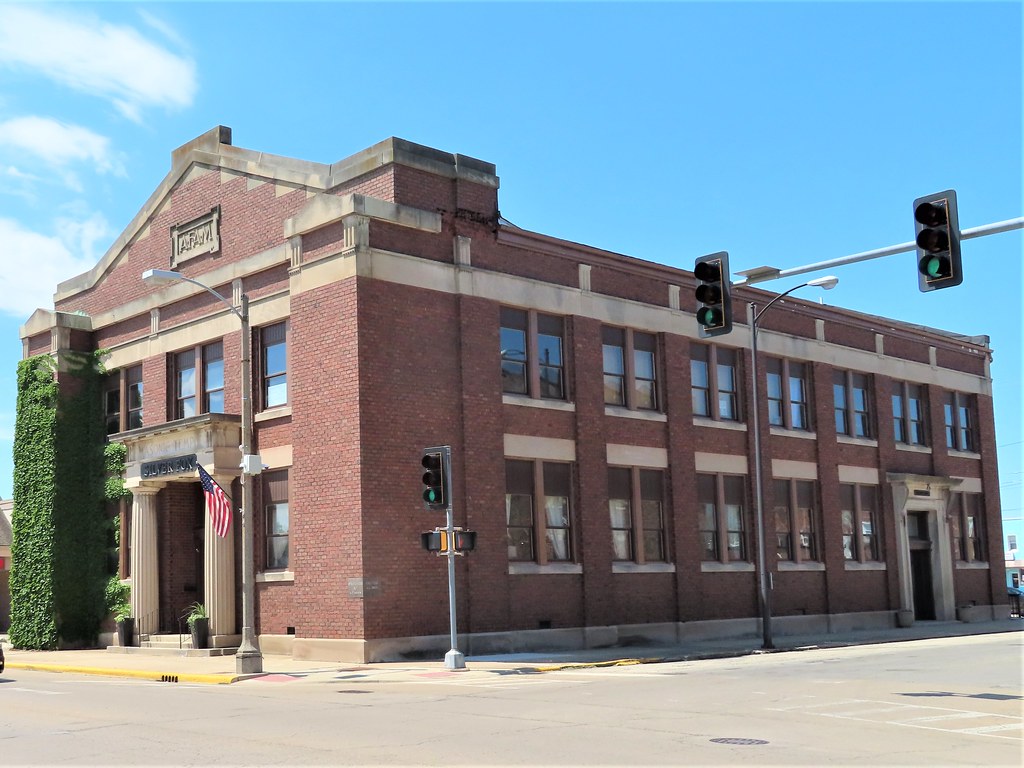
(924,554)
(160,460)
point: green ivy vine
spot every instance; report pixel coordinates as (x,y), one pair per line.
(60,553)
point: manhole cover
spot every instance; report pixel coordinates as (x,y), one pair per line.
(739,741)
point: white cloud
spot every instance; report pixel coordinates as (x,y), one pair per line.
(34,263)
(59,144)
(111,61)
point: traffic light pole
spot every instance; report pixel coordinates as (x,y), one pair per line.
(763,274)
(454,659)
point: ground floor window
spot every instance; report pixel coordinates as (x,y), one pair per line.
(721,501)
(537,511)
(859,505)
(636,505)
(275,504)
(966,527)
(797,521)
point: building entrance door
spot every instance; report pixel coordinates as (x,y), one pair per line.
(921,566)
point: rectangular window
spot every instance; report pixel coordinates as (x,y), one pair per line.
(620,506)
(859,509)
(714,382)
(122,400)
(966,527)
(275,502)
(636,507)
(112,403)
(722,516)
(519,510)
(796,521)
(635,385)
(185,384)
(1011,541)
(908,413)
(700,380)
(213,378)
(133,383)
(614,351)
(274,365)
(198,388)
(548,523)
(645,377)
(788,394)
(851,399)
(958,412)
(532,361)
(549,357)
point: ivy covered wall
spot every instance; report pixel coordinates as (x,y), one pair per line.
(60,553)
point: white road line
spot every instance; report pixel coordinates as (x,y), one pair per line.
(990,728)
(33,690)
(954,716)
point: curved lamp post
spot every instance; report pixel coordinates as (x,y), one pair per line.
(248,659)
(763,576)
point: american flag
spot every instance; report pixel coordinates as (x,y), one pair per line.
(217,502)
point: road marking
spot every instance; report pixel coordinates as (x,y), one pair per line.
(997,731)
(991,728)
(34,690)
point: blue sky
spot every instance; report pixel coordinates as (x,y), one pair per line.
(786,133)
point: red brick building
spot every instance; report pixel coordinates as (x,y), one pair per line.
(601,449)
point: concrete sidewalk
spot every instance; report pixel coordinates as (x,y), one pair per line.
(221,669)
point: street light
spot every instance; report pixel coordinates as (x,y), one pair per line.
(248,659)
(763,576)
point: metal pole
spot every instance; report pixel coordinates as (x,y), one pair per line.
(248,659)
(965,234)
(764,579)
(454,659)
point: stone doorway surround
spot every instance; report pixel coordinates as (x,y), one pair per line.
(169,453)
(926,494)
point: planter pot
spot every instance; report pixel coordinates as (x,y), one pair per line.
(200,633)
(126,632)
(904,619)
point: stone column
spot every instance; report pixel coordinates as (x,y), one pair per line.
(219,570)
(145,595)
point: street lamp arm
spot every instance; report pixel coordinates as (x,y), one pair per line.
(160,275)
(767,306)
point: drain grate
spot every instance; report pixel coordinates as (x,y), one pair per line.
(741,742)
(352,690)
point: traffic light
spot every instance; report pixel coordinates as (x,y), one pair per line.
(714,302)
(938,241)
(436,463)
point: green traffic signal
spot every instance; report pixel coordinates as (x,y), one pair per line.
(937,237)
(434,478)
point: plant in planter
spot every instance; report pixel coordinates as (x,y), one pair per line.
(125,624)
(198,625)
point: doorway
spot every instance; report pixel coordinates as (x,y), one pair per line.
(921,566)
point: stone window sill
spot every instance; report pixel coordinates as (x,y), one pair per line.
(279,412)
(519,569)
(268,577)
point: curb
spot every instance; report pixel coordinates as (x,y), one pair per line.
(159,677)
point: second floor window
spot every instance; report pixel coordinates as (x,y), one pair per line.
(721,500)
(788,394)
(185,384)
(122,400)
(198,389)
(859,506)
(636,507)
(630,368)
(714,382)
(796,521)
(274,365)
(852,403)
(908,413)
(541,532)
(532,360)
(958,414)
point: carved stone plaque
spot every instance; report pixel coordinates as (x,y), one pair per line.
(196,237)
